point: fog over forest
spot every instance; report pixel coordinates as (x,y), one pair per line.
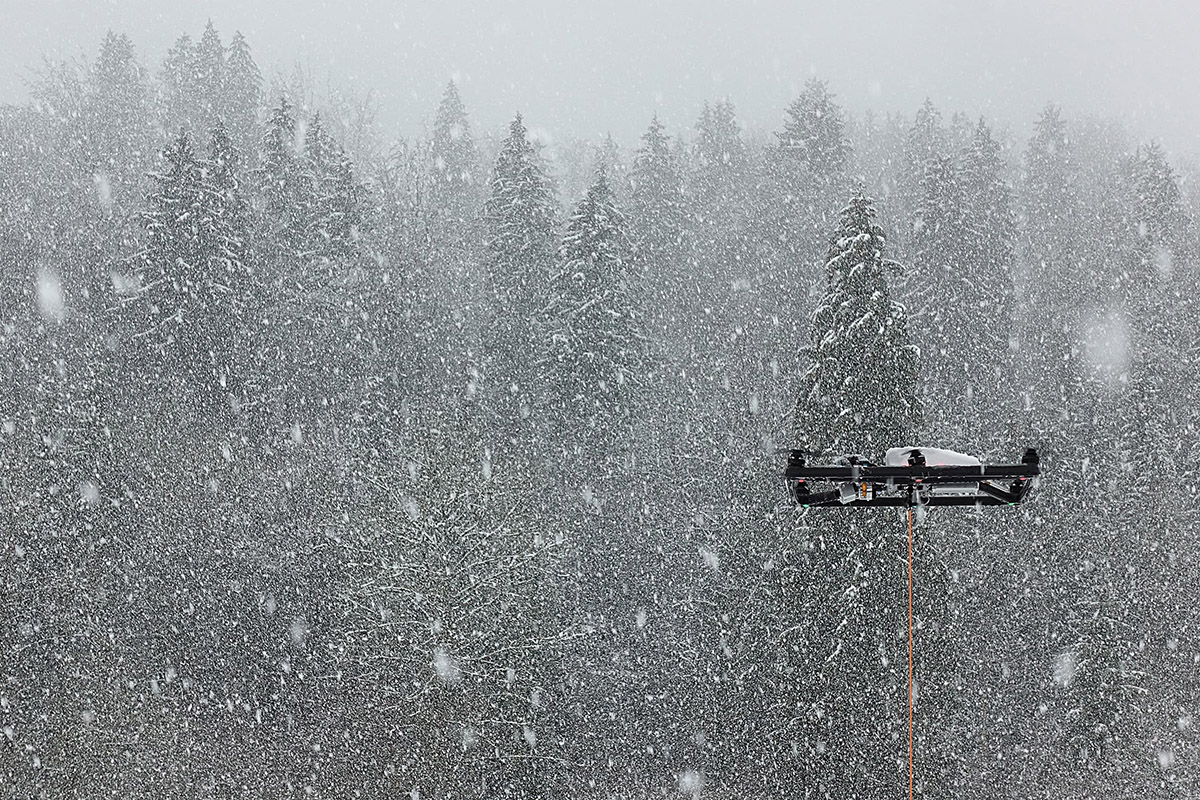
(396,404)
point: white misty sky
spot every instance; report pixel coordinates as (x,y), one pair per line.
(586,68)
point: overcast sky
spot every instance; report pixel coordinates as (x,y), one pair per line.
(586,68)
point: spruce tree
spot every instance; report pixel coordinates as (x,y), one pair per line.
(453,176)
(814,134)
(192,267)
(317,200)
(657,220)
(113,129)
(243,95)
(1055,289)
(807,180)
(943,296)
(180,84)
(594,381)
(210,72)
(718,189)
(720,151)
(859,393)
(925,141)
(280,180)
(447,276)
(595,339)
(519,251)
(989,199)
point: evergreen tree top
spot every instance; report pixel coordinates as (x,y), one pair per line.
(317,146)
(654,164)
(1050,141)
(655,148)
(117,61)
(210,40)
(814,131)
(858,240)
(596,230)
(181,49)
(859,394)
(240,61)
(521,211)
(519,177)
(928,121)
(1049,168)
(943,204)
(982,150)
(450,123)
(210,50)
(279,137)
(1159,199)
(719,140)
(453,148)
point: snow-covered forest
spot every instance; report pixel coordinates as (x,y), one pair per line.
(337,465)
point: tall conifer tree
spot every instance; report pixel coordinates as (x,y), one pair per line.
(859,394)
(243,95)
(519,218)
(814,134)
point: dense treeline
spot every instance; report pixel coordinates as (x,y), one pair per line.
(338,473)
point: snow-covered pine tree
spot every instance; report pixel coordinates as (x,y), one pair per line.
(942,294)
(453,227)
(447,288)
(454,180)
(859,394)
(1068,311)
(1146,291)
(190,260)
(227,225)
(1055,295)
(990,207)
(223,180)
(794,207)
(924,141)
(814,134)
(720,151)
(1164,404)
(179,84)
(280,182)
(210,73)
(331,200)
(242,95)
(596,341)
(519,221)
(657,219)
(718,273)
(113,130)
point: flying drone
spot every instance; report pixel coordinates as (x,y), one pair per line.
(912,477)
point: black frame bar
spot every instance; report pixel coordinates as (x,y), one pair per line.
(983,485)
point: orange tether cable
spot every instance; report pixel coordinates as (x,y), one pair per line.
(910,657)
